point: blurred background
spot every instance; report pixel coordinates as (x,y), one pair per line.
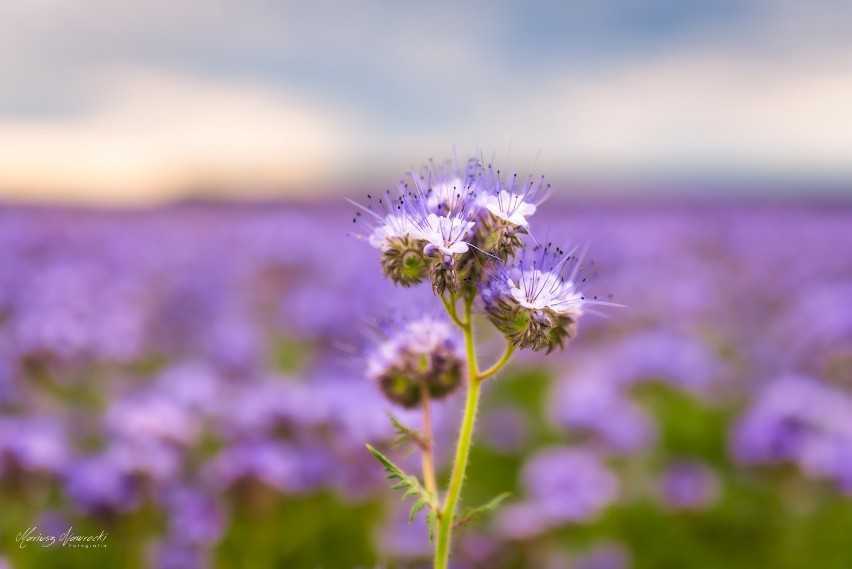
(181,305)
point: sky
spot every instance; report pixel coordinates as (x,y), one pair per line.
(141,102)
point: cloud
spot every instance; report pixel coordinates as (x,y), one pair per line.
(698,112)
(142,101)
(152,134)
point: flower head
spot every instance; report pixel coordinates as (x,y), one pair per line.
(512,200)
(441,203)
(537,299)
(425,225)
(391,231)
(449,189)
(392,227)
(384,220)
(509,207)
(445,234)
(415,356)
(505,205)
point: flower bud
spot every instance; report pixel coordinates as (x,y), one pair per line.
(421,353)
(499,237)
(538,329)
(444,275)
(403,261)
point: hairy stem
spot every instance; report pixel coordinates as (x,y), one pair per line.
(510,349)
(450,305)
(445,524)
(428,445)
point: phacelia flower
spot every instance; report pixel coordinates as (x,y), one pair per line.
(416,356)
(391,231)
(537,300)
(505,207)
(512,200)
(445,235)
(425,226)
(442,205)
(688,485)
(509,207)
(392,227)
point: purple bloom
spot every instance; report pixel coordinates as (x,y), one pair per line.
(800,420)
(505,429)
(604,556)
(194,517)
(33,443)
(589,403)
(414,355)
(537,299)
(659,355)
(688,485)
(275,464)
(397,538)
(150,417)
(510,199)
(562,485)
(178,555)
(99,482)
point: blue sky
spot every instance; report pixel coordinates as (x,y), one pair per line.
(137,102)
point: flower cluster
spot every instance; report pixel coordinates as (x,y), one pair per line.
(467,230)
(445,221)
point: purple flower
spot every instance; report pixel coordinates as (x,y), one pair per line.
(800,420)
(170,554)
(416,354)
(688,485)
(194,517)
(510,199)
(678,359)
(397,538)
(537,300)
(275,464)
(589,402)
(33,443)
(148,416)
(603,556)
(562,485)
(505,429)
(99,482)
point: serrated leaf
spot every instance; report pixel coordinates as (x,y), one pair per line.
(410,483)
(472,514)
(432,522)
(416,509)
(404,435)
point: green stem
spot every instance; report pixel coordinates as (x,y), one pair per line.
(445,523)
(510,349)
(450,305)
(428,444)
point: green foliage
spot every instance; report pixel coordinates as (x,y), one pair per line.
(472,514)
(405,437)
(270,530)
(410,484)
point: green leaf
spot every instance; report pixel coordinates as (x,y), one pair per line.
(409,483)
(432,521)
(472,514)
(405,436)
(416,509)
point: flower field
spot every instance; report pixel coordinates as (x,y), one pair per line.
(192,380)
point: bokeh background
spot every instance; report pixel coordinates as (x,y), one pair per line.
(182,310)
